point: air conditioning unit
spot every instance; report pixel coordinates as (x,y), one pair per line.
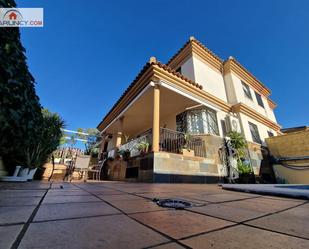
(232,124)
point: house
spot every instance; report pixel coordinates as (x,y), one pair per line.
(183,110)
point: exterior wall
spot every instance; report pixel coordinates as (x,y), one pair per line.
(187,69)
(290,176)
(295,144)
(236,95)
(202,73)
(221,116)
(112,143)
(230,89)
(170,167)
(116,170)
(211,80)
(261,127)
(213,144)
(169,121)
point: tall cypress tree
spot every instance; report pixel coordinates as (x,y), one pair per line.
(20,109)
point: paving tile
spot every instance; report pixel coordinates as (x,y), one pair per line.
(284,198)
(64,185)
(106,192)
(171,245)
(8,235)
(22,193)
(118,231)
(236,214)
(223,197)
(293,221)
(173,195)
(263,204)
(34,185)
(73,210)
(123,197)
(15,214)
(19,201)
(159,195)
(180,223)
(245,237)
(134,206)
(69,198)
(66,192)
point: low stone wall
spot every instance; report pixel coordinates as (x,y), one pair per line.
(293,144)
(213,144)
(58,174)
(116,170)
(292,176)
(169,167)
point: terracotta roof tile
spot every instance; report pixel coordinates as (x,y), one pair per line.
(247,71)
(179,75)
(191,40)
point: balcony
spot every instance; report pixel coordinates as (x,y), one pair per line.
(170,141)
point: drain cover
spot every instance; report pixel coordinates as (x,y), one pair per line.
(173,203)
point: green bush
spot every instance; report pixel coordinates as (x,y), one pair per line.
(243,168)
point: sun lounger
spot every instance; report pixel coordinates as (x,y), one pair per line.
(20,175)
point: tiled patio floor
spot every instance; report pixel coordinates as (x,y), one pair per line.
(123,215)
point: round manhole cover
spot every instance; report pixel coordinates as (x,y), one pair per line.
(173,203)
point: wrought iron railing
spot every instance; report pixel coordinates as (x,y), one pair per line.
(175,142)
(132,146)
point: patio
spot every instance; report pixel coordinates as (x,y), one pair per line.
(123,215)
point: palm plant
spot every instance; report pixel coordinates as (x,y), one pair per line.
(239,144)
(45,141)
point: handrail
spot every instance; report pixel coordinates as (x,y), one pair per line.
(132,145)
(175,141)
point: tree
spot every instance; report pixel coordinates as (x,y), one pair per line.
(45,141)
(92,137)
(20,110)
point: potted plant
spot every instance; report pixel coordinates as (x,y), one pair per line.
(143,147)
(124,154)
(244,168)
(185,150)
(245,172)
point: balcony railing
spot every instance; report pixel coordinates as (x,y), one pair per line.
(133,145)
(170,141)
(175,142)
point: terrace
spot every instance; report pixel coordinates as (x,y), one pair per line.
(124,215)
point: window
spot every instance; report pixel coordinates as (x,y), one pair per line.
(198,121)
(195,122)
(259,99)
(181,122)
(270,134)
(254,133)
(246,90)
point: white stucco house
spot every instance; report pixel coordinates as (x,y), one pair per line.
(195,93)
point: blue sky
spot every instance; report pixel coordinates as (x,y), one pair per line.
(87,54)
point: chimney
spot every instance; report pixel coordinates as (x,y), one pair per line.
(152,60)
